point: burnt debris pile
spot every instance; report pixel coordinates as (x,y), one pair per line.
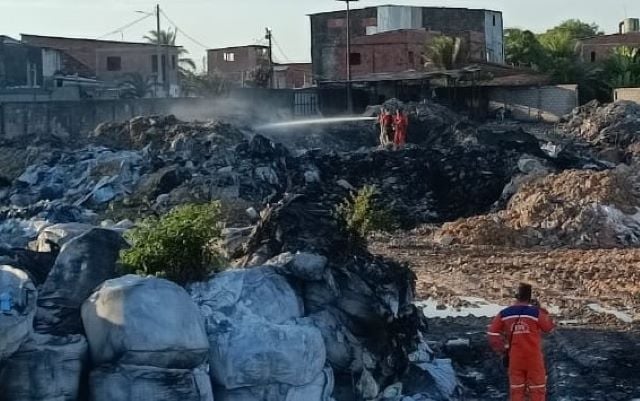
(610,131)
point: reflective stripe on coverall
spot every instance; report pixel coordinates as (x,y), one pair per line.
(526,366)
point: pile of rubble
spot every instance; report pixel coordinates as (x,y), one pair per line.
(573,208)
(192,162)
(613,129)
(165,132)
(312,316)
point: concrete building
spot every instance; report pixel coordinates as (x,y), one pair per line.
(393,38)
(292,76)
(237,64)
(600,48)
(111,61)
(20,64)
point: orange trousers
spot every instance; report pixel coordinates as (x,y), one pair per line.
(527,376)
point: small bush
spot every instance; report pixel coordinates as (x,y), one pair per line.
(178,246)
(362,214)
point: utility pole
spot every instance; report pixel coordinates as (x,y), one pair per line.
(269,37)
(158,50)
(348,58)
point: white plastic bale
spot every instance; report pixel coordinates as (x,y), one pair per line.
(146,322)
(258,291)
(17,309)
(143,383)
(261,353)
(319,389)
(46,368)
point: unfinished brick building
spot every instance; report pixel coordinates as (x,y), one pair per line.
(393,38)
(599,48)
(111,61)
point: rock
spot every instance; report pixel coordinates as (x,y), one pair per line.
(17,310)
(83,263)
(45,368)
(144,322)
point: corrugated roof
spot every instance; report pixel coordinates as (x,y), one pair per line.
(486,75)
(26,35)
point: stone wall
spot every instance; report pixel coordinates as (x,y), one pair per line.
(73,119)
(544,103)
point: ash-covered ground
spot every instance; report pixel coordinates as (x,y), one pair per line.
(478,208)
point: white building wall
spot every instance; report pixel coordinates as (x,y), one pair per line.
(393,18)
(494,31)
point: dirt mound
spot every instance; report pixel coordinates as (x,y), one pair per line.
(573,208)
(615,126)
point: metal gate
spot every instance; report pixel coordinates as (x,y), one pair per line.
(305,103)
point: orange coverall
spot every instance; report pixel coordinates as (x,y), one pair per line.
(401,122)
(526,367)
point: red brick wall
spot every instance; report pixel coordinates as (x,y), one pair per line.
(246,58)
(135,57)
(296,75)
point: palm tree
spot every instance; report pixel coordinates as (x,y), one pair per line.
(443,52)
(135,86)
(204,85)
(623,68)
(169,38)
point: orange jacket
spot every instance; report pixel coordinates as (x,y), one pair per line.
(386,120)
(523,325)
(401,122)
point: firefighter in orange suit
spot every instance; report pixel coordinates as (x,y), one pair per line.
(401,124)
(516,334)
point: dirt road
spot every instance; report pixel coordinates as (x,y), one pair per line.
(594,355)
(594,287)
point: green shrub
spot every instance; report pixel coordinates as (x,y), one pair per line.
(178,246)
(362,213)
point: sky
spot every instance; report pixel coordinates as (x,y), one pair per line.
(221,23)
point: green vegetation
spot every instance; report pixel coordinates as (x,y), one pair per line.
(362,214)
(444,52)
(556,52)
(135,86)
(168,38)
(178,246)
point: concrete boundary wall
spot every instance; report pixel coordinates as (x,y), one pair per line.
(543,103)
(74,119)
(629,94)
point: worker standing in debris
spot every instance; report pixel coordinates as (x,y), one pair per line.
(386,127)
(401,124)
(515,333)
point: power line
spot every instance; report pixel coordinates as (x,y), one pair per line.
(281,51)
(183,32)
(129,25)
